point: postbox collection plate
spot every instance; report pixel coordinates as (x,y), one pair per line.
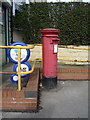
(55,48)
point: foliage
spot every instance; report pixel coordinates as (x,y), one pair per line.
(71,18)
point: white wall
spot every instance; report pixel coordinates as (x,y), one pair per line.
(18,36)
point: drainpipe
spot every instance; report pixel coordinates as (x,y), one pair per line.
(12,23)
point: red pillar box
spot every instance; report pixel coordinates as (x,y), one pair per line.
(49,51)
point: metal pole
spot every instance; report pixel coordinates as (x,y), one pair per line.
(19,65)
(8,73)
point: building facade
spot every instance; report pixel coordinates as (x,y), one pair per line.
(5,28)
(38,0)
(7,10)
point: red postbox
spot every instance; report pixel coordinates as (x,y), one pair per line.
(49,52)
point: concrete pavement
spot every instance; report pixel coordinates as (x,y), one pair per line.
(69,100)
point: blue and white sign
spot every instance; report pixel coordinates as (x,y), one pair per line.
(24,68)
(14,78)
(13,53)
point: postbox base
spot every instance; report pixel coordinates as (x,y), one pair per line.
(49,83)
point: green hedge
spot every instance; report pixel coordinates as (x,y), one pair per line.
(72,19)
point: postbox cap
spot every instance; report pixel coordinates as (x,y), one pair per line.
(50,30)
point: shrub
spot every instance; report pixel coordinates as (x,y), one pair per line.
(70,18)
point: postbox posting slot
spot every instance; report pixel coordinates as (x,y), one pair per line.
(55,40)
